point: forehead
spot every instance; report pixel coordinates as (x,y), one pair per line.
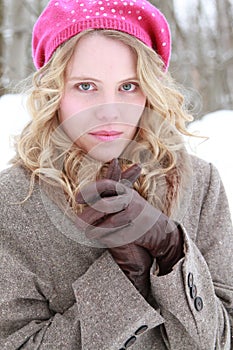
(96,51)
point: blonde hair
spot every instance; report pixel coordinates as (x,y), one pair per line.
(48,153)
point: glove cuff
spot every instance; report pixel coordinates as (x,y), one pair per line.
(174,253)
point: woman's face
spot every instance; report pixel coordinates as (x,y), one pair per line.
(102,101)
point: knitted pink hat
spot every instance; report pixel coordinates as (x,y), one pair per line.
(62,19)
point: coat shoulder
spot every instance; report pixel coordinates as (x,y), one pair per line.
(205,173)
(14,181)
(200,173)
(199,165)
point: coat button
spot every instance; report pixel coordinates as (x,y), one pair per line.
(190,280)
(130,342)
(198,303)
(141,330)
(193,291)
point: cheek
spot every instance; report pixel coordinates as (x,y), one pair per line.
(68,107)
(130,133)
(132,113)
(142,100)
(67,119)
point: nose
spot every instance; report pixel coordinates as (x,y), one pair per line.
(108,112)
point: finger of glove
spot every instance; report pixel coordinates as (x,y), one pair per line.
(88,217)
(102,188)
(111,224)
(114,170)
(110,236)
(139,222)
(96,212)
(130,175)
(93,215)
(111,205)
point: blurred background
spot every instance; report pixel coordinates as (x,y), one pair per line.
(202,57)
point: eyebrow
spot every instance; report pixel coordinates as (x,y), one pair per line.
(84,77)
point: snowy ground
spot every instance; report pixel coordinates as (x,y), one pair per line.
(218,126)
(217,149)
(13,116)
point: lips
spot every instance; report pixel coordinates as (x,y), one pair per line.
(106,135)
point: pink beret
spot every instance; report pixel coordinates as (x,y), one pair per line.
(62,19)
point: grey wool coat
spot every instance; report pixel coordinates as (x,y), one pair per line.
(57,293)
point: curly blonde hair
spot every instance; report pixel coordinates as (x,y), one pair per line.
(49,154)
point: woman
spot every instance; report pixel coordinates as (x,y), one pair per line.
(111,235)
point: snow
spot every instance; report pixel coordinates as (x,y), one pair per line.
(13,117)
(217,149)
(217,126)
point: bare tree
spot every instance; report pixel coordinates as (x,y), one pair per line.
(202,55)
(18,18)
(202,58)
(224,52)
(15,29)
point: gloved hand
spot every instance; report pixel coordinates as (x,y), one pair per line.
(134,231)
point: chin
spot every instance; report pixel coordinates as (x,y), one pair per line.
(104,156)
(105,152)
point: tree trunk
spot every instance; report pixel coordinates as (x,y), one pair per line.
(16,22)
(202,50)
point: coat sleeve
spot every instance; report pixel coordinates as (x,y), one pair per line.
(107,313)
(196,298)
(103,309)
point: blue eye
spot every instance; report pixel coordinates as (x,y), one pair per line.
(85,87)
(129,87)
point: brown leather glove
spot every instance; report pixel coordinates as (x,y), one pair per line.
(135,261)
(132,229)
